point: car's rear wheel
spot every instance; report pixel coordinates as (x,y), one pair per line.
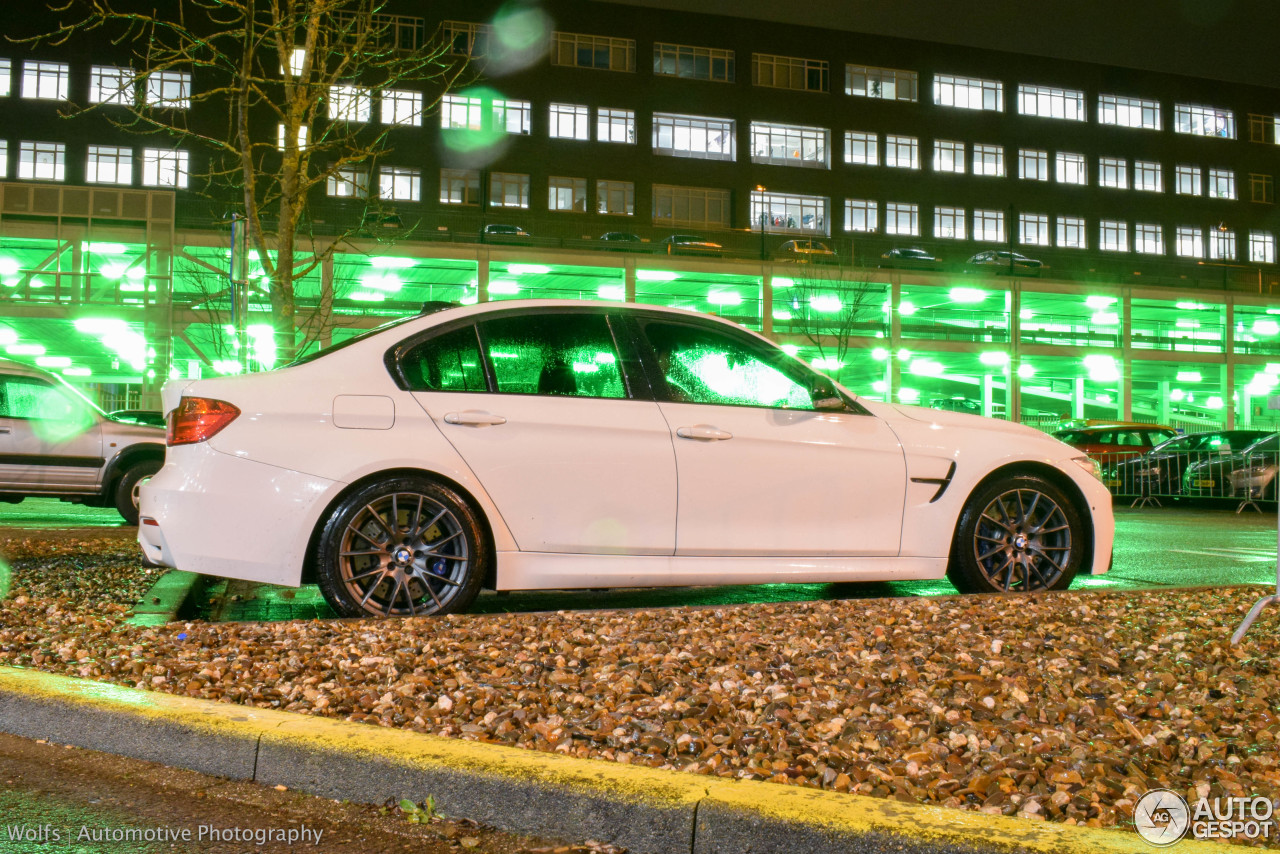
(129,486)
(401,547)
(1017,534)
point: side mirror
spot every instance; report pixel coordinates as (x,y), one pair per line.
(825,397)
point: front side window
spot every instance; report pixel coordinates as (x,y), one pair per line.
(1147,176)
(42,161)
(169,90)
(1113,236)
(603,53)
(1187,180)
(861,215)
(459,186)
(349,103)
(1222,184)
(565,355)
(570,121)
(1148,238)
(615,125)
(970,93)
(988,160)
(165,168)
(789,145)
(566,194)
(706,366)
(508,190)
(400,184)
(861,148)
(1262,247)
(1190,242)
(1113,172)
(46,81)
(109,165)
(1071,232)
(948,156)
(890,84)
(1033,165)
(457,112)
(111,85)
(901,218)
(1071,168)
(1050,103)
(692,63)
(693,136)
(789,72)
(616,198)
(512,116)
(403,107)
(1033,229)
(447,362)
(988,226)
(902,152)
(1204,121)
(30,399)
(1129,112)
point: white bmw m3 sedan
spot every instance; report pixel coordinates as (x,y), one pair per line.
(545,444)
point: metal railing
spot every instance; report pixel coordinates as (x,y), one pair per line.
(1226,475)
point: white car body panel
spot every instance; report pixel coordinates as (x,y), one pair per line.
(245,504)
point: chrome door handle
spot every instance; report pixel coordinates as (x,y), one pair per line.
(6,429)
(472,418)
(704,432)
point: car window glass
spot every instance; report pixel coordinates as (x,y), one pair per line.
(554,354)
(706,366)
(57,413)
(447,362)
(1128,438)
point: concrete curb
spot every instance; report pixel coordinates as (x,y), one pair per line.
(165,599)
(645,810)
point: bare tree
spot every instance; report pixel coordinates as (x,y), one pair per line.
(830,310)
(281,103)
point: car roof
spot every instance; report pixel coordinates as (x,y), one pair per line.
(12,366)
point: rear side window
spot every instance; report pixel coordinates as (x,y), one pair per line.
(447,362)
(570,355)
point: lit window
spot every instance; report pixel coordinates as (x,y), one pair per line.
(1033,229)
(615,125)
(948,223)
(1222,244)
(789,72)
(1113,172)
(988,226)
(988,160)
(6,75)
(948,156)
(170,90)
(601,52)
(1190,243)
(700,207)
(693,136)
(1204,121)
(512,116)
(1050,103)
(508,190)
(566,194)
(692,63)
(465,38)
(969,93)
(861,215)
(1113,236)
(42,161)
(789,145)
(1262,247)
(1260,189)
(347,182)
(1071,168)
(4,158)
(399,184)
(902,218)
(47,81)
(1148,238)
(402,107)
(863,148)
(570,121)
(165,168)
(109,165)
(616,198)
(280,138)
(1187,180)
(1033,165)
(1222,184)
(459,186)
(296,60)
(788,212)
(1071,232)
(111,85)
(457,112)
(1128,112)
(349,103)
(1148,176)
(890,84)
(902,152)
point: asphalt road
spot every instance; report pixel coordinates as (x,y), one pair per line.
(1172,546)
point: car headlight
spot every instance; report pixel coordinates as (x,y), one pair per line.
(1090,465)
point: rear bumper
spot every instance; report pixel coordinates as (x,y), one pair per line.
(217,514)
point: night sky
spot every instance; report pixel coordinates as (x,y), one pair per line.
(1231,40)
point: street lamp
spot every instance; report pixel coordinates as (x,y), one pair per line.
(764,254)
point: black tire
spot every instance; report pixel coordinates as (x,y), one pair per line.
(1017,534)
(431,560)
(126,493)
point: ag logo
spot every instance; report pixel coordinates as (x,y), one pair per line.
(1161,817)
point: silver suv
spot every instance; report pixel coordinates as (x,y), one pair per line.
(54,442)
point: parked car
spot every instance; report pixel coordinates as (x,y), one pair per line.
(1111,443)
(1159,471)
(912,259)
(1001,261)
(139,416)
(622,241)
(529,444)
(957,404)
(501,232)
(806,250)
(689,244)
(1213,478)
(55,443)
(1256,476)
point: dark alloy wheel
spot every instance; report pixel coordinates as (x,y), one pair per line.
(402,547)
(1017,535)
(128,486)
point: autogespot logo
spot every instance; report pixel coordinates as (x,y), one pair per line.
(1161,817)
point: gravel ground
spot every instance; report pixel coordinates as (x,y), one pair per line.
(1064,706)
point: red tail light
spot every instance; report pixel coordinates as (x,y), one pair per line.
(198,418)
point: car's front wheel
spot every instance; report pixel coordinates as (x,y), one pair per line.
(401,547)
(1017,534)
(129,485)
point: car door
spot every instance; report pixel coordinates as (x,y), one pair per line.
(49,439)
(760,470)
(537,403)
